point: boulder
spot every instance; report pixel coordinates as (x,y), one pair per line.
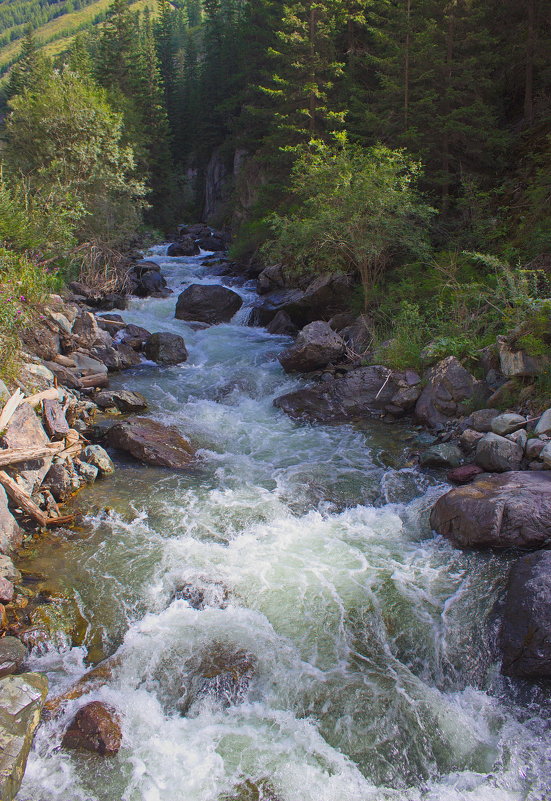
(545,454)
(166,348)
(497,511)
(207,304)
(469,439)
(520,437)
(85,330)
(464,474)
(59,481)
(504,424)
(134,335)
(8,569)
(41,340)
(282,325)
(86,364)
(25,431)
(365,392)
(7,591)
(10,533)
(65,376)
(498,454)
(186,246)
(516,362)
(95,727)
(316,346)
(481,420)
(12,655)
(448,386)
(144,266)
(151,442)
(213,243)
(270,278)
(124,400)
(525,636)
(357,336)
(533,448)
(126,356)
(21,700)
(87,472)
(443,455)
(544,423)
(150,283)
(98,457)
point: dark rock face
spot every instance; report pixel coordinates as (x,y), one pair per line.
(449,386)
(41,340)
(186,246)
(121,399)
(368,391)
(443,455)
(270,278)
(95,727)
(325,296)
(213,242)
(525,636)
(282,325)
(135,336)
(316,346)
(151,442)
(150,283)
(207,304)
(497,511)
(165,348)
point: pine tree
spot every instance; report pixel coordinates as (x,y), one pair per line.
(30,68)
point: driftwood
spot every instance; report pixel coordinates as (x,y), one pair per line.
(9,409)
(55,423)
(24,502)
(46,394)
(15,455)
(100,380)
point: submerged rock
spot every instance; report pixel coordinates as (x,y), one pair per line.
(21,700)
(151,442)
(223,675)
(497,511)
(316,346)
(525,636)
(166,348)
(258,790)
(95,727)
(207,304)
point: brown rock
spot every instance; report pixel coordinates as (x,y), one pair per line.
(497,511)
(6,591)
(449,385)
(151,442)
(464,474)
(40,339)
(85,330)
(95,727)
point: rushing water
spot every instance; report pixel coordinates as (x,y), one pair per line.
(368,644)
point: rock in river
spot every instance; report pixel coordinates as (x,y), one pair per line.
(151,442)
(95,727)
(526,626)
(207,304)
(316,346)
(497,511)
(166,348)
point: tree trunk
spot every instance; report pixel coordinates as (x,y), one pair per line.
(406,64)
(529,71)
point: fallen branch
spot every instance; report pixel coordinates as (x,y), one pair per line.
(27,505)
(15,455)
(9,409)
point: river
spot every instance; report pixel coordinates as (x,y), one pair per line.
(365,646)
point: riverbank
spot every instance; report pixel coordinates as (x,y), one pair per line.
(284,544)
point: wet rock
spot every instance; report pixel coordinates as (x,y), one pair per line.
(525,636)
(481,420)
(207,304)
(135,336)
(365,392)
(544,423)
(8,569)
(282,325)
(165,348)
(316,346)
(6,591)
(95,727)
(25,431)
(21,700)
(187,246)
(203,592)
(10,533)
(150,283)
(464,474)
(497,511)
(224,675)
(99,458)
(124,400)
(498,454)
(448,386)
(127,356)
(443,455)
(12,655)
(151,442)
(58,480)
(259,790)
(507,423)
(87,472)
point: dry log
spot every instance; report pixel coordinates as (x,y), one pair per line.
(9,409)
(24,502)
(15,455)
(46,394)
(98,380)
(55,423)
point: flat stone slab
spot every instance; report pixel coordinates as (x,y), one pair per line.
(151,442)
(509,510)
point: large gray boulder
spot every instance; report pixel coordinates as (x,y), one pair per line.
(498,454)
(209,303)
(151,442)
(325,296)
(365,392)
(21,700)
(166,348)
(316,346)
(447,389)
(497,511)
(525,636)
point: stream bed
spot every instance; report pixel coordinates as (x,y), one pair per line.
(364,647)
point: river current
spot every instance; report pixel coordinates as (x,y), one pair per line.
(368,643)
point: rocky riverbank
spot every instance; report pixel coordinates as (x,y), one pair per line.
(66,408)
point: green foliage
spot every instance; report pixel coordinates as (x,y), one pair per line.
(355,210)
(409,334)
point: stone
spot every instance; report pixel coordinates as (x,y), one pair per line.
(516,362)
(10,533)
(151,442)
(469,439)
(447,389)
(166,348)
(60,321)
(12,655)
(481,419)
(358,337)
(88,472)
(150,283)
(127,356)
(316,346)
(498,454)
(98,457)
(85,330)
(325,296)
(512,510)
(507,423)
(65,376)
(133,335)
(222,674)
(104,340)
(444,455)
(505,395)
(59,481)
(270,278)
(21,700)
(544,423)
(6,591)
(545,454)
(25,431)
(525,635)
(8,569)
(86,364)
(95,727)
(145,266)
(187,246)
(113,323)
(464,474)
(282,325)
(533,448)
(36,377)
(365,392)
(207,304)
(124,400)
(520,437)
(41,340)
